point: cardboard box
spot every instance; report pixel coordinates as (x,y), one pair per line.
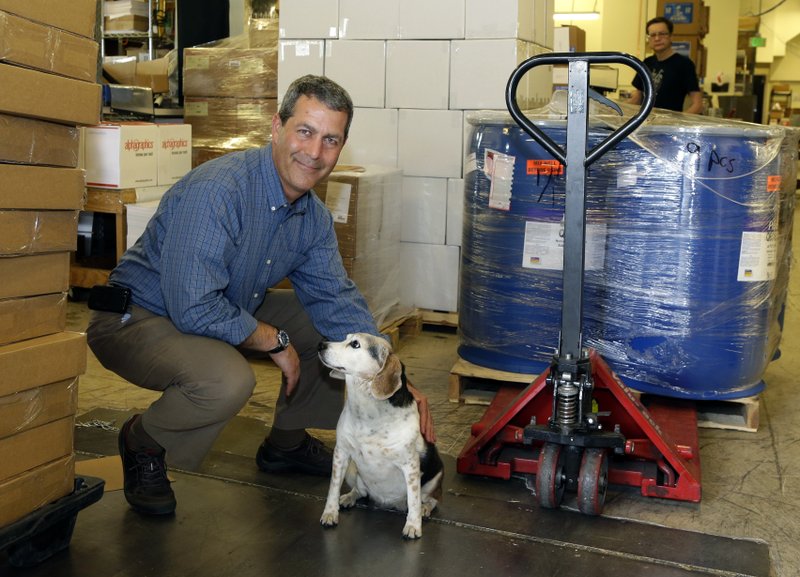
(424,210)
(78,16)
(121,155)
(35,231)
(505,19)
(409,85)
(479,71)
(31,317)
(309,19)
(430,142)
(234,72)
(174,152)
(35,362)
(361,67)
(297,58)
(373,138)
(35,407)
(360,20)
(125,23)
(688,16)
(569,39)
(455,211)
(153,74)
(35,447)
(32,141)
(229,123)
(42,187)
(34,274)
(430,276)
(46,96)
(33,489)
(357,201)
(35,45)
(426,20)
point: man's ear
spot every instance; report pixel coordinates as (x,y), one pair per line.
(388,380)
(276,127)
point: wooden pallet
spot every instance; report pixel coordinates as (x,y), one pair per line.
(475,385)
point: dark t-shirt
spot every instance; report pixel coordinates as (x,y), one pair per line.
(673,79)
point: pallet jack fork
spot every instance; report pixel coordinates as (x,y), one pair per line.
(577,427)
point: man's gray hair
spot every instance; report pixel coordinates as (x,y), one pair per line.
(323,89)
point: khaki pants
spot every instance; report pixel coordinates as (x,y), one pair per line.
(205,382)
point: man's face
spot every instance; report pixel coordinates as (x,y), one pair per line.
(307,147)
(658,36)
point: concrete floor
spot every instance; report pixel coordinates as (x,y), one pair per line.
(749,478)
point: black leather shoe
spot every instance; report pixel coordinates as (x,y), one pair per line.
(146,486)
(311,457)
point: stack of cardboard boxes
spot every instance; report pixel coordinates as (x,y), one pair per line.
(48,70)
(691,18)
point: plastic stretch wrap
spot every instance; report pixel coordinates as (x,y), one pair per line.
(687,242)
(229,123)
(33,316)
(33,231)
(30,141)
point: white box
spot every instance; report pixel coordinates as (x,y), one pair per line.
(137,215)
(424,210)
(543,23)
(369,19)
(174,152)
(360,67)
(423,19)
(430,276)
(372,139)
(455,211)
(121,155)
(410,85)
(429,142)
(309,19)
(499,19)
(297,58)
(479,72)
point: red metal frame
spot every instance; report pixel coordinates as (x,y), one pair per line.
(661,450)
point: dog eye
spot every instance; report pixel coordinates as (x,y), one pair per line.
(355,344)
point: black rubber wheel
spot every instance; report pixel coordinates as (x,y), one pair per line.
(550,480)
(593,481)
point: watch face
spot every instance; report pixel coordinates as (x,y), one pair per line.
(283,339)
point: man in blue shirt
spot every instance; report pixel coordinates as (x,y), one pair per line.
(199,281)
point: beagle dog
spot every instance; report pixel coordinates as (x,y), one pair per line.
(379,450)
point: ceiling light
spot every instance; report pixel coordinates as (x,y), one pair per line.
(576,16)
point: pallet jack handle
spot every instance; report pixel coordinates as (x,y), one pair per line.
(571,356)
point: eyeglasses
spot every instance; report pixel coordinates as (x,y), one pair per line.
(657,35)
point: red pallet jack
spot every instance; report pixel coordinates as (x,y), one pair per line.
(577,427)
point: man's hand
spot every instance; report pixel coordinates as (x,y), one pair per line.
(264,339)
(425,417)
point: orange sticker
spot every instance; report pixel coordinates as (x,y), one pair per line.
(546,167)
(773,183)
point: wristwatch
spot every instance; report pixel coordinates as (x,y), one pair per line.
(283,342)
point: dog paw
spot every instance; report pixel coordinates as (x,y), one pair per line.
(428,507)
(329,518)
(412,531)
(348,500)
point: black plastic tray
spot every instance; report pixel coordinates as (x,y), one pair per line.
(48,530)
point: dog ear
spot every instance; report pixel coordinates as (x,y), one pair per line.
(388,380)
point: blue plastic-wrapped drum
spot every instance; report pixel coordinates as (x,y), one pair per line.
(511,264)
(682,254)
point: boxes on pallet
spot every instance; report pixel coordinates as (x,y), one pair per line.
(373,137)
(34,447)
(28,43)
(429,142)
(229,123)
(121,155)
(425,20)
(430,276)
(297,58)
(37,406)
(231,71)
(479,71)
(409,85)
(504,19)
(30,141)
(35,362)
(37,94)
(455,211)
(424,210)
(78,16)
(359,20)
(309,19)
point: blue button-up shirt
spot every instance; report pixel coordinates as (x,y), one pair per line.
(222,236)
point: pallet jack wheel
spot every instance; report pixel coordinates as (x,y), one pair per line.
(593,481)
(550,476)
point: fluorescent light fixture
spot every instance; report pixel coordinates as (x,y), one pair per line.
(576,16)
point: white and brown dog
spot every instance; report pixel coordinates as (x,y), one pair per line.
(379,447)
